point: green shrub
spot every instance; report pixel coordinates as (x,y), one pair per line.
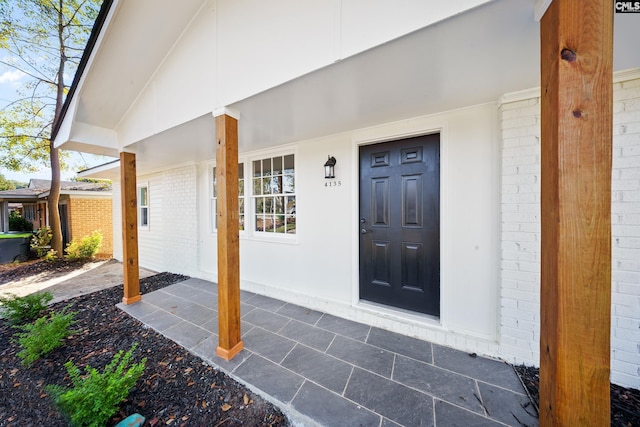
(87,247)
(95,397)
(41,240)
(18,223)
(50,256)
(43,336)
(21,309)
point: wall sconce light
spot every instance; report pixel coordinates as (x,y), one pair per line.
(329,168)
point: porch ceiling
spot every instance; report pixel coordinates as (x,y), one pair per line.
(471,58)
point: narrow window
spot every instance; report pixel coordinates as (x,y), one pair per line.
(274,195)
(143,206)
(214,199)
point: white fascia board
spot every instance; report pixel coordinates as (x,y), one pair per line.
(65,130)
(107,171)
(103,138)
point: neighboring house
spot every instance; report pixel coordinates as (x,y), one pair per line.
(432,112)
(84,207)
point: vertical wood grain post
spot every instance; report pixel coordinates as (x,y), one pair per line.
(576,87)
(229,343)
(129,228)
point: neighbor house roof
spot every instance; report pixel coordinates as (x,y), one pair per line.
(39,189)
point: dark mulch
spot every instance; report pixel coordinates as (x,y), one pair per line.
(625,402)
(176,387)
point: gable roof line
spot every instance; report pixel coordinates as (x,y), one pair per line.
(88,50)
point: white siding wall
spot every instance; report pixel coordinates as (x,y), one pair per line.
(520,284)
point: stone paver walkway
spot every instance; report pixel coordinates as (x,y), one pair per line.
(327,371)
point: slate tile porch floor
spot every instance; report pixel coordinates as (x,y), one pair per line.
(327,371)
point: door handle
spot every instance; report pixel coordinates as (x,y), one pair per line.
(363,231)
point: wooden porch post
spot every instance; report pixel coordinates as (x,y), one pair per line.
(576,72)
(129,228)
(229,343)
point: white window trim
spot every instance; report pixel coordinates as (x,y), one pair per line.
(249,202)
(249,231)
(139,206)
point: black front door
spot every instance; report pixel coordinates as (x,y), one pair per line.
(400,223)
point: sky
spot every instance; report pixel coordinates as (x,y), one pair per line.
(10,82)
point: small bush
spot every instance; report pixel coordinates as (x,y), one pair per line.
(87,247)
(22,309)
(43,336)
(95,397)
(50,256)
(18,223)
(41,240)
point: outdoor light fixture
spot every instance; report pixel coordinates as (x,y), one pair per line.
(329,168)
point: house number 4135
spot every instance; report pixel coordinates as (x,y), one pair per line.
(333,184)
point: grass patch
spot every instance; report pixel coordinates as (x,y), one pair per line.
(14,235)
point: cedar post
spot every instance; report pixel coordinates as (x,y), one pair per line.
(129,228)
(229,343)
(576,72)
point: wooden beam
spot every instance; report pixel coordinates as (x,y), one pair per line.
(576,72)
(230,342)
(129,201)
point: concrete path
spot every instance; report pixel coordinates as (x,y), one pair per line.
(92,277)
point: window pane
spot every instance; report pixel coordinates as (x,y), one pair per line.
(288,164)
(241,222)
(268,205)
(259,222)
(241,206)
(257,186)
(277,165)
(240,170)
(291,205)
(266,167)
(143,196)
(144,219)
(214,215)
(257,170)
(260,205)
(289,184)
(241,187)
(266,185)
(279,201)
(276,184)
(291,224)
(270,223)
(280,225)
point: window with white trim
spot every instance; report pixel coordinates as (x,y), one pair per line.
(274,195)
(214,199)
(143,206)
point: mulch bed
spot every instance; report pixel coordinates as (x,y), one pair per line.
(625,402)
(176,388)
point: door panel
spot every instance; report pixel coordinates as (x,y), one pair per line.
(400,223)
